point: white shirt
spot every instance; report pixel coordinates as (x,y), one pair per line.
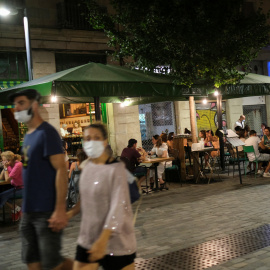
(159,150)
(105,204)
(254,141)
(63,132)
(239,123)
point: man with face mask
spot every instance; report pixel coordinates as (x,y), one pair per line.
(45,182)
(240,122)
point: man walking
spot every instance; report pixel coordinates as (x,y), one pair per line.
(240,122)
(45,187)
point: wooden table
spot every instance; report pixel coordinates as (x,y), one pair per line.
(155,162)
(179,143)
(71,158)
(3,182)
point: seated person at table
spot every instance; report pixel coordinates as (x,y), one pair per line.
(254,141)
(247,128)
(63,130)
(76,128)
(164,138)
(155,139)
(263,126)
(75,166)
(170,141)
(161,150)
(265,142)
(202,135)
(237,129)
(242,136)
(65,148)
(131,152)
(209,141)
(12,174)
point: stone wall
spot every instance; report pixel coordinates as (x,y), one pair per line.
(44,64)
(267,103)
(234,108)
(182,116)
(123,124)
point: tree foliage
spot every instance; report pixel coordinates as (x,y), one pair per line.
(198,39)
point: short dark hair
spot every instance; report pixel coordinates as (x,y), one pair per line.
(156,137)
(237,128)
(131,142)
(252,132)
(101,127)
(31,94)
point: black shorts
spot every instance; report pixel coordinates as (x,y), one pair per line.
(108,262)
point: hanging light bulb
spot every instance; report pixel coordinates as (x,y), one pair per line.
(204,101)
(216,93)
(125,103)
(54,98)
(4,12)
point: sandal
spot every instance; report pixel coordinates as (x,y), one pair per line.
(162,186)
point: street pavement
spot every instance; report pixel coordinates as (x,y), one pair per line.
(182,217)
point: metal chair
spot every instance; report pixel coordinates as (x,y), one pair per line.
(175,165)
(73,190)
(126,161)
(233,159)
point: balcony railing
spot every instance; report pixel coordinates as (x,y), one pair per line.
(73,16)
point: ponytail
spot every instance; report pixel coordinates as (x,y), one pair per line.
(159,142)
(17,157)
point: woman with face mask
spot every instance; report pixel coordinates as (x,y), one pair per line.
(106,235)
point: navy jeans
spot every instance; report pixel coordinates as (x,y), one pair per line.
(7,195)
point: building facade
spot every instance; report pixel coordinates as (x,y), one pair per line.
(61,38)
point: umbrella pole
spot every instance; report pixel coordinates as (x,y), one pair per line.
(220,134)
(97,109)
(193,133)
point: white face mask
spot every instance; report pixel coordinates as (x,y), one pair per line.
(24,116)
(93,149)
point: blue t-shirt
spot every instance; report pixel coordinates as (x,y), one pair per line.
(39,192)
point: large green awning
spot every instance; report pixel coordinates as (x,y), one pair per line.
(7,84)
(110,83)
(251,85)
(113,84)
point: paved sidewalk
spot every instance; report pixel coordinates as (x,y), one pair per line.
(179,218)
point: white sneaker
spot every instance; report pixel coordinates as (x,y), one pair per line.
(260,172)
(266,174)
